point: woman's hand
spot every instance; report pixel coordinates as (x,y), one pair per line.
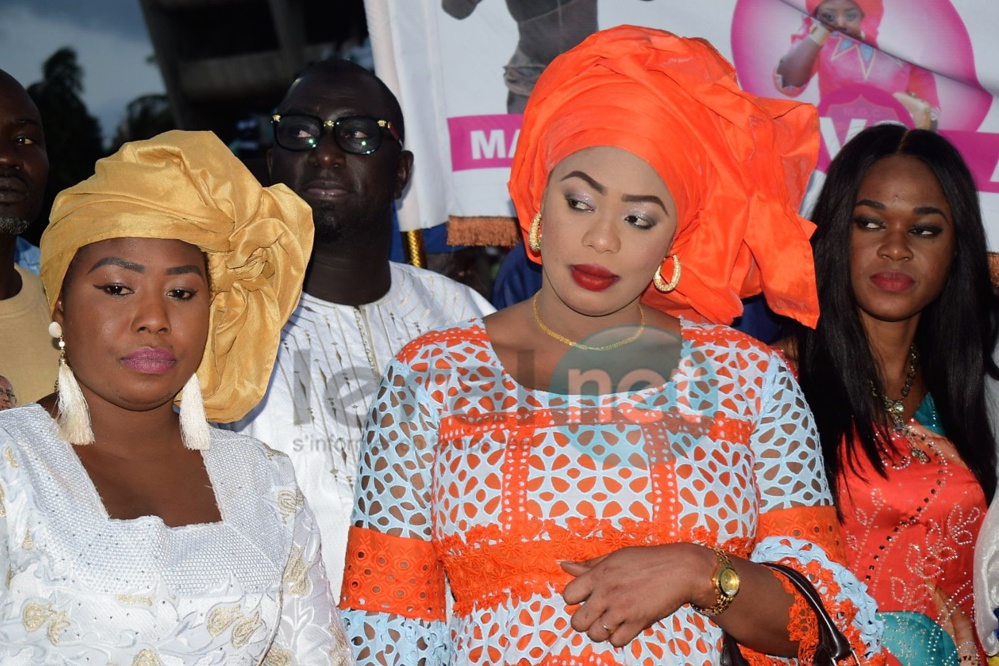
(623,593)
(629,590)
(956,622)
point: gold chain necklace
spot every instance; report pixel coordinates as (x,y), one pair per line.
(578,345)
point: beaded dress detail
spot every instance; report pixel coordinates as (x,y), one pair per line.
(910,537)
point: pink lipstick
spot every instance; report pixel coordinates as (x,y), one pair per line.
(150,360)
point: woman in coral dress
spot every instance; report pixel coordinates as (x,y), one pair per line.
(895,374)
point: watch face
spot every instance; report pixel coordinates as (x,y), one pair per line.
(728,581)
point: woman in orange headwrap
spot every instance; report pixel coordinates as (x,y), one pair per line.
(839,41)
(596,473)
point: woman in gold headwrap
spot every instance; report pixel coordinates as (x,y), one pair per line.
(130,533)
(597,473)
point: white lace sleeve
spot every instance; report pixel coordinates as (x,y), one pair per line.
(798,522)
(310,631)
(393,589)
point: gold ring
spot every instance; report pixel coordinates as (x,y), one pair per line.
(609,630)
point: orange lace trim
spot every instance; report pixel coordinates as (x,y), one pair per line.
(391,574)
(448,337)
(817,524)
(488,564)
(802,625)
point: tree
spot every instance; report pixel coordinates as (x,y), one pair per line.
(145,117)
(72,136)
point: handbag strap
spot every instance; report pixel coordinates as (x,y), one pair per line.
(830,637)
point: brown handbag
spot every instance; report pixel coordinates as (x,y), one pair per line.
(833,645)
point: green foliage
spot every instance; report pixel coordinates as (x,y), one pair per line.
(72,136)
(145,117)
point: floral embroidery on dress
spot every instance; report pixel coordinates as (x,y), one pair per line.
(78,582)
(277,657)
(289,502)
(134,599)
(243,630)
(910,536)
(146,658)
(36,615)
(295,574)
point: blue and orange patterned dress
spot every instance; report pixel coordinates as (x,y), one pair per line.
(469,480)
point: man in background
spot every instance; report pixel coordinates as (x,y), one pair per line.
(339,144)
(28,355)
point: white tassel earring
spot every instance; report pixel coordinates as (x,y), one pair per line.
(194,428)
(74,415)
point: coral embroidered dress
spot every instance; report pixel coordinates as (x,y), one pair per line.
(910,537)
(470,479)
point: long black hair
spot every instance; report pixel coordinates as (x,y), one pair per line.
(955,335)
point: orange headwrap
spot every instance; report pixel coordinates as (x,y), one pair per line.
(873,10)
(189,186)
(736,164)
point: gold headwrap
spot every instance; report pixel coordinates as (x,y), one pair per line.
(189,186)
(736,164)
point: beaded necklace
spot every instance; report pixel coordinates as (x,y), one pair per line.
(895,408)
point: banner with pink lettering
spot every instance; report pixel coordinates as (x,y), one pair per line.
(463,70)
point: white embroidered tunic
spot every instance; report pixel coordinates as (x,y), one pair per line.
(78,587)
(330,361)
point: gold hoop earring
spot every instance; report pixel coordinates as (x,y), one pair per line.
(534,235)
(662,285)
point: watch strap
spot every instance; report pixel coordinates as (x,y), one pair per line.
(722,600)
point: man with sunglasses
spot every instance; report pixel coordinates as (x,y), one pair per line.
(338,143)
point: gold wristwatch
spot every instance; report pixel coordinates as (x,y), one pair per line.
(725,581)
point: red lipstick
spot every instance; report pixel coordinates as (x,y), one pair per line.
(892,281)
(593,277)
(150,360)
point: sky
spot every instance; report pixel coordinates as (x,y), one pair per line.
(111,43)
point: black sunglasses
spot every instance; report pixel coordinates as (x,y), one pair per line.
(359,135)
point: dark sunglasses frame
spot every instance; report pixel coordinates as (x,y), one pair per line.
(328,125)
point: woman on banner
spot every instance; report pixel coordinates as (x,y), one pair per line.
(839,41)
(598,472)
(895,372)
(130,533)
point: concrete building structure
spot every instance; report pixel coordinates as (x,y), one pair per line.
(226,61)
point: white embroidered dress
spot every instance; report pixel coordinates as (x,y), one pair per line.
(78,587)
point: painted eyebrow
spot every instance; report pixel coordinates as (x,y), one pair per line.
(585,176)
(118,261)
(181,270)
(919,210)
(629,198)
(645,198)
(139,268)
